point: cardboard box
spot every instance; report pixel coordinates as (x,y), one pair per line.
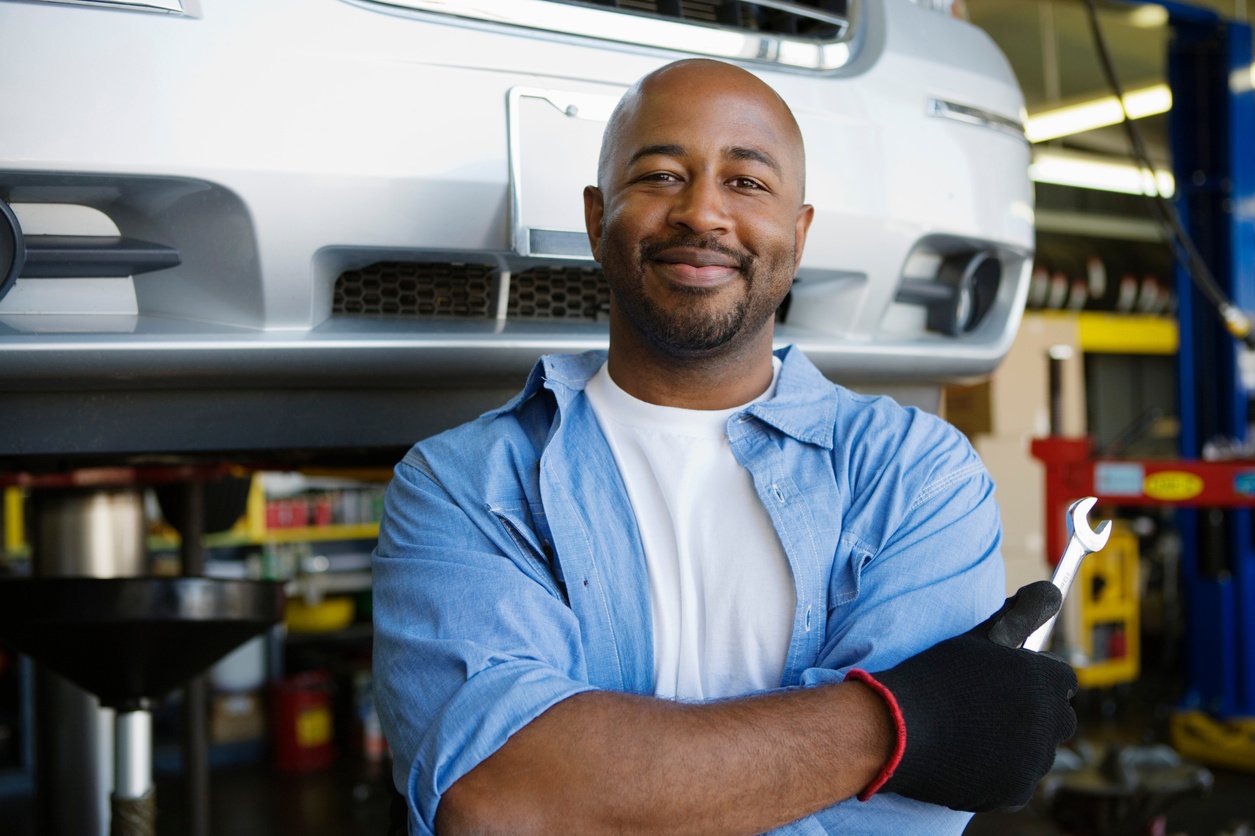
(237,717)
(1014,402)
(1020,489)
(969,407)
(1023,568)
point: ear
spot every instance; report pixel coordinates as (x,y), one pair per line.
(594,209)
(804,217)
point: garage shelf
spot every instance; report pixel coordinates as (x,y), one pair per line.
(1111,333)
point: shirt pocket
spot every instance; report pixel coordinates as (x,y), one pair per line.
(847,570)
(532,552)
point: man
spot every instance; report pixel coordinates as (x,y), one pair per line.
(644,595)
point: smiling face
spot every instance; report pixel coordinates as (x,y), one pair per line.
(698,220)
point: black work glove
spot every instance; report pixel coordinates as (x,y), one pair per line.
(982,718)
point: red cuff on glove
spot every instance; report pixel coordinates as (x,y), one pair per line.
(899,726)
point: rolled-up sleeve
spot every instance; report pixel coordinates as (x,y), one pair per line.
(925,559)
(468,647)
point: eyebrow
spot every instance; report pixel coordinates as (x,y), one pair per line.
(657,151)
(738,152)
(735,152)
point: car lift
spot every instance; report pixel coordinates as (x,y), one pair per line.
(1213,147)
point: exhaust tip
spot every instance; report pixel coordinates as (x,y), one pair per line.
(961,294)
(12,249)
(974,281)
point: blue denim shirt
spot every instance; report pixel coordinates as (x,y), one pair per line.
(509,573)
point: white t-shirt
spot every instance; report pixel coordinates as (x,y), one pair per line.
(720,585)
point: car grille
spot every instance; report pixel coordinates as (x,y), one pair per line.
(424,290)
(415,289)
(735,14)
(559,293)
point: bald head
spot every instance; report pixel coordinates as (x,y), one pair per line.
(701,80)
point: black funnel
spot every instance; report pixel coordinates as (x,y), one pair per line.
(126,639)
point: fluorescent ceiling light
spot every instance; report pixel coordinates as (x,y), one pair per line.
(1087,171)
(1097,113)
(1148,16)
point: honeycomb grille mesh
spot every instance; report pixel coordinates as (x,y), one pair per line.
(558,293)
(416,289)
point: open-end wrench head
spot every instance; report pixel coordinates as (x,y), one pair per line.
(1078,525)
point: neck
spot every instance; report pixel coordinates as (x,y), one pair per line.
(730,377)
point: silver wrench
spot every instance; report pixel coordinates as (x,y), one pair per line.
(1082,540)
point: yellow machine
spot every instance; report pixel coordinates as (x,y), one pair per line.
(1228,743)
(1103,623)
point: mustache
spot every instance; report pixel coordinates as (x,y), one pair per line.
(650,249)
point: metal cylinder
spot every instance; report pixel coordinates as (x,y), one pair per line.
(98,533)
(196,691)
(79,533)
(132,754)
(1057,354)
(73,740)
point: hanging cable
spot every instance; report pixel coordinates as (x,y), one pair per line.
(1182,243)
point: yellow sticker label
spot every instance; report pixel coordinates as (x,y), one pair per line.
(1173,485)
(313,727)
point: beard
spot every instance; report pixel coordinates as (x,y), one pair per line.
(694,325)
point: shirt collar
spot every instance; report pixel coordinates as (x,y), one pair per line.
(569,371)
(565,375)
(805,405)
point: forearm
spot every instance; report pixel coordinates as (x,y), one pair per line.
(606,762)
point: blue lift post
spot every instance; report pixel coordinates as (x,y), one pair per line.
(1212,126)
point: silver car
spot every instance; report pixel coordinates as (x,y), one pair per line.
(335,226)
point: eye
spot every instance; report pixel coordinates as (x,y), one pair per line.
(659,177)
(747,183)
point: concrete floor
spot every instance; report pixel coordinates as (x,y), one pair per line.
(1132,720)
(1227,810)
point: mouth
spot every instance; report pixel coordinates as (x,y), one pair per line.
(696,266)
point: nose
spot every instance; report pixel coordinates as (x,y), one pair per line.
(700,207)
